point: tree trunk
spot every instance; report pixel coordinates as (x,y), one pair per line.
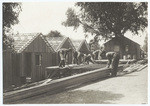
(120,40)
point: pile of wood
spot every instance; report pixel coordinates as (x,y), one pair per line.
(144,61)
(69,70)
(55,73)
(132,68)
(121,61)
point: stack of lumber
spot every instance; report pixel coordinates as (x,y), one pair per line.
(68,70)
(134,67)
(55,86)
(121,61)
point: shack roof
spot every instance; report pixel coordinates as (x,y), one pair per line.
(78,44)
(124,38)
(23,40)
(57,42)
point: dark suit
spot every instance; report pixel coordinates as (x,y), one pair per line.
(113,59)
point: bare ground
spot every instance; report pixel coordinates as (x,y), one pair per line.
(128,89)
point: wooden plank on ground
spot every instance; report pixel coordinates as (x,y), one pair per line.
(54,86)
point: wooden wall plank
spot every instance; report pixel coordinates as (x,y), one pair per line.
(7,70)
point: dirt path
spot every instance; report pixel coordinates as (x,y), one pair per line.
(127,89)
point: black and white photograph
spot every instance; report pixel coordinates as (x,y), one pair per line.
(77,52)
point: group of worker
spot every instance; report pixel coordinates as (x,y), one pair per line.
(78,58)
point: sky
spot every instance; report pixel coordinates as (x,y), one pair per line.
(46,16)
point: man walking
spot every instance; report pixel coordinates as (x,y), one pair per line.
(113,60)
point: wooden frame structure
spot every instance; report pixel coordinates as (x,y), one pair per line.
(81,46)
(32,54)
(61,42)
(127,48)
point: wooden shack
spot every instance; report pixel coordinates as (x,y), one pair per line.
(127,48)
(81,46)
(32,53)
(61,42)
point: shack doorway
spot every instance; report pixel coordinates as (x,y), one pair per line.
(28,64)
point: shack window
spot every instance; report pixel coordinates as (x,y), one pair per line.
(116,48)
(127,48)
(38,59)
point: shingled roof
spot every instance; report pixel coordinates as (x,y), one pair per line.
(21,41)
(57,42)
(123,38)
(78,43)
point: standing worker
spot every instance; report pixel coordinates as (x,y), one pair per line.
(80,57)
(75,57)
(96,54)
(113,60)
(62,54)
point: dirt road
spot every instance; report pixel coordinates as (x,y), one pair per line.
(128,89)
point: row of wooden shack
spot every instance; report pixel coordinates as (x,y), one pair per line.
(32,54)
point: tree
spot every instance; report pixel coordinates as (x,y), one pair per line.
(108,19)
(145,46)
(10,17)
(54,34)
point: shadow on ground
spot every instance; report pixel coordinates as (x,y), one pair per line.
(129,76)
(74,97)
(71,96)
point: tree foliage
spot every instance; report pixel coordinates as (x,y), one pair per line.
(108,18)
(54,34)
(10,17)
(145,46)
